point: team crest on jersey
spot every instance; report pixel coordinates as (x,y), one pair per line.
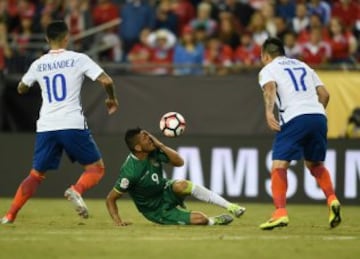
(124,184)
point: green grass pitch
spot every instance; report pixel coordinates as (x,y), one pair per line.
(49,228)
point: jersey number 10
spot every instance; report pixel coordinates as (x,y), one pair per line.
(297,75)
(56,88)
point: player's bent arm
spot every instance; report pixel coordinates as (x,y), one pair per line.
(22,88)
(106,81)
(111,102)
(174,158)
(112,207)
(269,92)
(323,95)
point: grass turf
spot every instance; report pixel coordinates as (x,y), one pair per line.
(49,228)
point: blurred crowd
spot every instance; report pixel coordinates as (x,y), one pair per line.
(197,36)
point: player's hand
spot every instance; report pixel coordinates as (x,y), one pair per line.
(272,122)
(157,143)
(122,223)
(111,105)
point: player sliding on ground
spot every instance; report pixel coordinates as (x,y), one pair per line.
(156,197)
(61,125)
(301,99)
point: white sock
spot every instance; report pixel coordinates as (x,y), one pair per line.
(203,194)
(211,221)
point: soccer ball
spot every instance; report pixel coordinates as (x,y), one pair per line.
(172,124)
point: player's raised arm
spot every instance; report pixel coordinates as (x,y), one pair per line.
(112,208)
(174,158)
(269,92)
(111,102)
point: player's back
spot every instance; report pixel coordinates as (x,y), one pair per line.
(296,86)
(60,74)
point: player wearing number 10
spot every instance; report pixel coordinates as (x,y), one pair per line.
(301,99)
(61,124)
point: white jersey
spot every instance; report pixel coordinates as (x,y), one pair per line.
(60,74)
(296,86)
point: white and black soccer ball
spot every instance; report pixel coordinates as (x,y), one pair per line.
(172,124)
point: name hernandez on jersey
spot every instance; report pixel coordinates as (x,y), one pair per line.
(296,85)
(60,74)
(45,67)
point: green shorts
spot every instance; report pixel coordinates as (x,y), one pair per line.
(169,213)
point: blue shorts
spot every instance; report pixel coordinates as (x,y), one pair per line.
(302,137)
(78,144)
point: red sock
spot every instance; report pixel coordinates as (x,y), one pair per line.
(279,187)
(24,192)
(89,178)
(323,179)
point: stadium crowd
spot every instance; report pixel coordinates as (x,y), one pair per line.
(218,35)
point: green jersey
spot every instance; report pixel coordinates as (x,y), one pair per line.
(143,180)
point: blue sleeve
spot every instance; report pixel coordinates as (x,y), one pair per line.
(177,55)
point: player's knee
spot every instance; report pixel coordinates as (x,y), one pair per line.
(180,186)
(40,176)
(311,165)
(198,218)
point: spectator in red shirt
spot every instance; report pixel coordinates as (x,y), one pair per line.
(184,11)
(162,44)
(248,53)
(316,52)
(315,23)
(139,55)
(343,44)
(105,11)
(346,11)
(218,57)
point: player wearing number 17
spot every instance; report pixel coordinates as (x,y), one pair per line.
(61,125)
(301,99)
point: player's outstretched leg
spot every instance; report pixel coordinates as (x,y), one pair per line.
(24,192)
(91,177)
(183,187)
(278,187)
(323,179)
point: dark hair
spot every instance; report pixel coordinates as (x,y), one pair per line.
(56,30)
(274,47)
(130,137)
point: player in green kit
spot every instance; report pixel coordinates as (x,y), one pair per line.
(157,198)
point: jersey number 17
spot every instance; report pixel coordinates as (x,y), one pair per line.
(297,75)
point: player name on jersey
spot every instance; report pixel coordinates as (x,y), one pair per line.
(58,64)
